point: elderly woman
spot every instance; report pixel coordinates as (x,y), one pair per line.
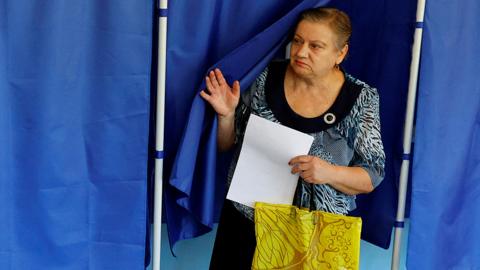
(312,94)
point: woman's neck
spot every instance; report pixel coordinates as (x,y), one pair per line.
(327,85)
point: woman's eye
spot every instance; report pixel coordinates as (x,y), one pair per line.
(297,41)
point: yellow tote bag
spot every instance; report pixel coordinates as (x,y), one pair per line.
(293,238)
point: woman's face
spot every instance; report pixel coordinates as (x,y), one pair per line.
(314,50)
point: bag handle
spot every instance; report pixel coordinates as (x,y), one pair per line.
(312,205)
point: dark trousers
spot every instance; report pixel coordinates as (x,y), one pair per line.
(235,241)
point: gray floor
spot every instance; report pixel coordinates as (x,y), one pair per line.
(195,254)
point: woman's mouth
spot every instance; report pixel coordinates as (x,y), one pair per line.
(300,63)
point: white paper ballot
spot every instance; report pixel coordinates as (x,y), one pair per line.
(262,173)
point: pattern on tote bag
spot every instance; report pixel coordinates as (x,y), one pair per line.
(290,238)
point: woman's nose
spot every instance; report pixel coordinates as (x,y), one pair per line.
(303,50)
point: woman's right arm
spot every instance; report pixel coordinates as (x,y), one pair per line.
(224,99)
(225,132)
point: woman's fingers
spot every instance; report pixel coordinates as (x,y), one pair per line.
(236,88)
(309,168)
(206,96)
(300,167)
(304,172)
(300,159)
(300,163)
(217,86)
(213,79)
(209,85)
(219,76)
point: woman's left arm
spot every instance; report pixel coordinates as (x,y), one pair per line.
(366,169)
(349,180)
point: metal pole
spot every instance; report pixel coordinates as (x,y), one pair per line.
(160,113)
(407,135)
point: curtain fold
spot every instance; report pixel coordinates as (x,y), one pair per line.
(194,193)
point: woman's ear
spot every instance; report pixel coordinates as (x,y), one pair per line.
(342,54)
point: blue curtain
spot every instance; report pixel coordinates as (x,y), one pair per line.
(193,193)
(380,55)
(446,181)
(74,115)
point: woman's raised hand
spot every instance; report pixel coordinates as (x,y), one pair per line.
(223,98)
